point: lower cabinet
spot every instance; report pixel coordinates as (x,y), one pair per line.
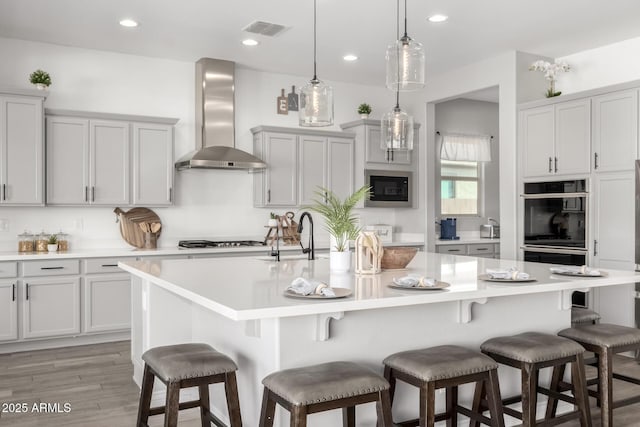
(107,303)
(8,310)
(480,250)
(51,307)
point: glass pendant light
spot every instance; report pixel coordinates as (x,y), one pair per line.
(316,98)
(405,62)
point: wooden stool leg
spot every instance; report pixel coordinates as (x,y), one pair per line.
(477,402)
(427,405)
(233,401)
(172,405)
(205,408)
(452,402)
(298,416)
(605,372)
(268,409)
(494,399)
(383,407)
(552,403)
(145,397)
(529,394)
(388,374)
(349,416)
(579,380)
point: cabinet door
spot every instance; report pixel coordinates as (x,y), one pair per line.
(374,153)
(67,161)
(107,302)
(109,162)
(8,311)
(52,307)
(573,137)
(152,164)
(281,154)
(313,167)
(21,151)
(341,166)
(615,131)
(537,134)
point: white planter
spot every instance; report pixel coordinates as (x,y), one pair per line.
(364,116)
(40,86)
(339,262)
(52,248)
(272,223)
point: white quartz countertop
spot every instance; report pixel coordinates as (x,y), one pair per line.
(246,288)
(165,251)
(466,241)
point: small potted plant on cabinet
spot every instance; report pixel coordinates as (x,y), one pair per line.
(364,110)
(41,79)
(52,243)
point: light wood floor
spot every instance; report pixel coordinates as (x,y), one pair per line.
(96,381)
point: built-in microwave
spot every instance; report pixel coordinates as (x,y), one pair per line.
(389,189)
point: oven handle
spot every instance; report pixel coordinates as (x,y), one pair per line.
(553,195)
(555,250)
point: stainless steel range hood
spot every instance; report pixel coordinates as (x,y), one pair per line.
(215,134)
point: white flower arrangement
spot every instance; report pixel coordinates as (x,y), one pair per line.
(550,71)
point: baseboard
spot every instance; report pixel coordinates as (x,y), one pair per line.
(43,344)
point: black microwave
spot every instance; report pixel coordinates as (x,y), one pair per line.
(389,189)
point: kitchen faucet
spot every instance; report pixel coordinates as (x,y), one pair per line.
(276,253)
(311,250)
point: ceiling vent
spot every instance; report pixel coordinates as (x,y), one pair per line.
(264,28)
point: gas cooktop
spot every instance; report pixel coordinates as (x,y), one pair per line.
(190,244)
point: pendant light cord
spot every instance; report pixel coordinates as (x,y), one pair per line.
(405,18)
(315,76)
(397,48)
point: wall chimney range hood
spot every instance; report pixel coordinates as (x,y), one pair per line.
(215,117)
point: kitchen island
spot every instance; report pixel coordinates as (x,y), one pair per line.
(237,305)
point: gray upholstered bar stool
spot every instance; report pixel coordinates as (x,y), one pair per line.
(188,365)
(324,387)
(446,366)
(529,352)
(604,341)
(581,315)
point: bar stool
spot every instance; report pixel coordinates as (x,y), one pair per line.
(530,352)
(581,315)
(324,387)
(446,366)
(188,365)
(605,340)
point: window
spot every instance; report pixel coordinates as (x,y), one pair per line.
(459,188)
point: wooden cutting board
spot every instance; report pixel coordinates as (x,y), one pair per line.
(130,228)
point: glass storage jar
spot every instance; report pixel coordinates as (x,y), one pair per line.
(42,240)
(63,241)
(25,242)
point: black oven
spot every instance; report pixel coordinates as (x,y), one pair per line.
(389,189)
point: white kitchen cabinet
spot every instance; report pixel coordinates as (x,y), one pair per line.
(107,302)
(341,165)
(21,150)
(152,164)
(615,131)
(8,310)
(312,170)
(480,250)
(279,181)
(109,162)
(368,136)
(555,139)
(51,307)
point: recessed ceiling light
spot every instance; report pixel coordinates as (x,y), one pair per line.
(350,57)
(129,23)
(250,42)
(438,18)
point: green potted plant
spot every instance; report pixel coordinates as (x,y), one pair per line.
(364,110)
(41,79)
(340,222)
(273,220)
(52,243)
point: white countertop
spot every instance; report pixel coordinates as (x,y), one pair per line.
(466,241)
(245,288)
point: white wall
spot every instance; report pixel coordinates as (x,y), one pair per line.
(471,117)
(209,203)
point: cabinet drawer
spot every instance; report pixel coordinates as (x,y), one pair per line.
(8,269)
(51,268)
(452,249)
(480,249)
(104,265)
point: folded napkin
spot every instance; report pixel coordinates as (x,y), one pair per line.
(304,286)
(414,281)
(577,270)
(507,274)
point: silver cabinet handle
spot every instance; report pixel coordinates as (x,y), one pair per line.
(27,288)
(595,247)
(453,250)
(109,265)
(556,164)
(170,194)
(51,268)
(482,249)
(550,162)
(13,292)
(595,160)
(325,197)
(4,191)
(86,193)
(93,194)
(268,196)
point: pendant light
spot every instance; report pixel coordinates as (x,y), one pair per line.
(397,125)
(316,98)
(405,62)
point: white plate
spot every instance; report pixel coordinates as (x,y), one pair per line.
(340,293)
(579,274)
(488,278)
(436,287)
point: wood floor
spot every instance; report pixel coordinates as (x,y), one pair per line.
(96,381)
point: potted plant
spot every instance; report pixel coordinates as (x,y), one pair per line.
(41,79)
(340,222)
(273,220)
(364,110)
(52,243)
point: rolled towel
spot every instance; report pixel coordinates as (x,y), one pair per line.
(578,270)
(507,274)
(303,286)
(414,281)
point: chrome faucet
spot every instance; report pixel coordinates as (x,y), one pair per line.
(276,253)
(311,250)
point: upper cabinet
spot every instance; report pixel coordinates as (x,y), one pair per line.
(21,150)
(615,131)
(91,160)
(556,139)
